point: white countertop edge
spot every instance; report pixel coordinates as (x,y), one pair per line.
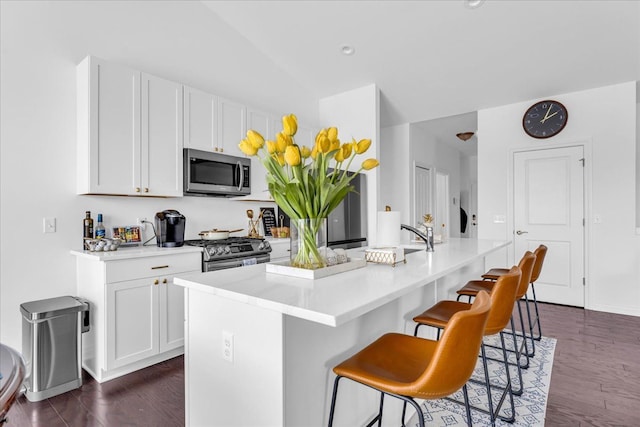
(301,313)
(189,281)
(133,252)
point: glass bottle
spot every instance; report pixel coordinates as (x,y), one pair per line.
(100,230)
(87,224)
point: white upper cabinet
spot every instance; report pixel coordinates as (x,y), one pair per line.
(306,136)
(212,123)
(161,159)
(108,128)
(129,131)
(260,122)
(232,126)
(200,120)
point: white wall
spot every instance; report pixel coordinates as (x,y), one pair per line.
(396,186)
(638,168)
(356,114)
(41,43)
(604,120)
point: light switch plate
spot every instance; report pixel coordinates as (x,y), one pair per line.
(49,225)
(227,346)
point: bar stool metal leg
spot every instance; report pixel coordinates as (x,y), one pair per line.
(537,320)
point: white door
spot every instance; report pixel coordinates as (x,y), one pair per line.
(423,189)
(472,215)
(549,210)
(443,223)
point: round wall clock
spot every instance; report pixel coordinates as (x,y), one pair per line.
(545,119)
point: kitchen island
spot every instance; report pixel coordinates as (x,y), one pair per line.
(260,347)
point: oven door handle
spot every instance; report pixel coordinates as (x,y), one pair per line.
(233,262)
(241,170)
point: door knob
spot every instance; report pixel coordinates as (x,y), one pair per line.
(519,232)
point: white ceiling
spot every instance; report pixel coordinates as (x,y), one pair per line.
(434,59)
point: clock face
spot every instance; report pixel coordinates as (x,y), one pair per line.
(545,119)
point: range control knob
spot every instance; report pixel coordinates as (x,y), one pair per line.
(227,249)
(266,245)
(219,250)
(261,246)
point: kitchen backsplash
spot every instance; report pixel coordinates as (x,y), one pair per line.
(202,213)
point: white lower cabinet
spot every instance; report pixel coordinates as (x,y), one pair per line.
(280,249)
(137,313)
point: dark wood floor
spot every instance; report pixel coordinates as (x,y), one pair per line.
(596,371)
(595,382)
(149,397)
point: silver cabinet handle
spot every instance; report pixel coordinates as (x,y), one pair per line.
(519,232)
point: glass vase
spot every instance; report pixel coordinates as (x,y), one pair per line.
(308,243)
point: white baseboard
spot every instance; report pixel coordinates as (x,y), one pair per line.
(630,311)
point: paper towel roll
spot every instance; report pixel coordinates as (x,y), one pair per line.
(388,229)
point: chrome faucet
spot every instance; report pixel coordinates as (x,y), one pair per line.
(428,239)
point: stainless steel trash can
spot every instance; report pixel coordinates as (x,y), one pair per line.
(52,345)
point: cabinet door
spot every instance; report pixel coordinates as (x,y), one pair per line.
(161,166)
(108,128)
(307,136)
(280,249)
(132,322)
(171,314)
(260,122)
(200,120)
(232,127)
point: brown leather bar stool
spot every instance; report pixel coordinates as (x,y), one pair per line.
(409,368)
(494,273)
(503,298)
(474,286)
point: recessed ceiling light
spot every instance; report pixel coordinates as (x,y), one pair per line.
(473,4)
(347,50)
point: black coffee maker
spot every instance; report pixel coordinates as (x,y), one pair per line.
(170,229)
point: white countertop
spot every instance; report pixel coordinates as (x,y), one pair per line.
(337,299)
(134,252)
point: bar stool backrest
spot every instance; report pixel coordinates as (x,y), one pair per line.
(526,267)
(540,253)
(503,296)
(457,352)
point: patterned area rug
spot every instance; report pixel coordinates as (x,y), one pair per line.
(530,406)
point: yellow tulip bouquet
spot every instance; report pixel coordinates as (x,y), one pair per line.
(307,183)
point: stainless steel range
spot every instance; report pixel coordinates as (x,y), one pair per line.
(231,252)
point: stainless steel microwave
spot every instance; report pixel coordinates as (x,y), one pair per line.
(215,174)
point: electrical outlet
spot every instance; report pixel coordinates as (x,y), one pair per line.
(141,223)
(227,346)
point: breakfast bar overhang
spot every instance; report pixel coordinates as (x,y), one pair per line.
(260,347)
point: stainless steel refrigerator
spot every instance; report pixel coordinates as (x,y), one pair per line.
(347,224)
